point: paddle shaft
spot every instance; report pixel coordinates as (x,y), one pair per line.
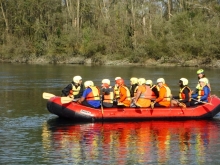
(101,105)
(200,101)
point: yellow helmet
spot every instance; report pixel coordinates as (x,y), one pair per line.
(200,71)
(161,80)
(149,82)
(76,79)
(185,81)
(134,80)
(141,81)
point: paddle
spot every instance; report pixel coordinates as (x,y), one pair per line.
(65,100)
(47,95)
(152,105)
(101,105)
(201,101)
(179,103)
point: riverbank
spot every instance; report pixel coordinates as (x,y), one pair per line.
(107,61)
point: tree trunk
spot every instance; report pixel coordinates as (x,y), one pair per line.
(5,19)
(77,15)
(133,20)
(168,9)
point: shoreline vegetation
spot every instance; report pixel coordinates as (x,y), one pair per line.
(108,32)
(150,62)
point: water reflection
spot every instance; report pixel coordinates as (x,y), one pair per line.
(160,142)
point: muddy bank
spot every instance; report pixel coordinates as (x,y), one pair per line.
(105,61)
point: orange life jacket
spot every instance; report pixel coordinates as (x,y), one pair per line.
(182,95)
(94,95)
(109,98)
(127,100)
(168,93)
(127,92)
(147,94)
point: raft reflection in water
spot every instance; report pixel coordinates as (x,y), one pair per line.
(132,142)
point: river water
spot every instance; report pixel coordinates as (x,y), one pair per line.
(29,134)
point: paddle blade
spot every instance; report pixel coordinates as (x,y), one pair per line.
(65,100)
(152,105)
(47,95)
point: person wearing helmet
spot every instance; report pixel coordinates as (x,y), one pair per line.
(134,86)
(124,99)
(74,89)
(107,93)
(154,88)
(183,100)
(144,94)
(164,94)
(116,90)
(203,93)
(91,96)
(201,74)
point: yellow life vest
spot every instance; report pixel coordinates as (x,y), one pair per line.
(182,96)
(94,95)
(75,90)
(116,92)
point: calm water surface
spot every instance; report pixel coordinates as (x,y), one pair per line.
(29,134)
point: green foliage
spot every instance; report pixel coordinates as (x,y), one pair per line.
(117,30)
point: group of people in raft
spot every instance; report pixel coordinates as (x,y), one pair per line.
(142,93)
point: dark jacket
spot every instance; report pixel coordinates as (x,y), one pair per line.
(66,90)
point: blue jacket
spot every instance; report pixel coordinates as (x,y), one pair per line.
(205,96)
(94,103)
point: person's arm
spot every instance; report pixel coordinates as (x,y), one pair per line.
(138,94)
(209,86)
(123,95)
(81,100)
(162,93)
(206,94)
(83,97)
(66,90)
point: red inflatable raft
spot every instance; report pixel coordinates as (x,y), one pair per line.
(78,112)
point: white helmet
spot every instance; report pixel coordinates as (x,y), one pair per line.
(149,82)
(91,83)
(116,78)
(205,80)
(161,80)
(88,83)
(134,80)
(107,81)
(76,79)
(185,81)
(141,81)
